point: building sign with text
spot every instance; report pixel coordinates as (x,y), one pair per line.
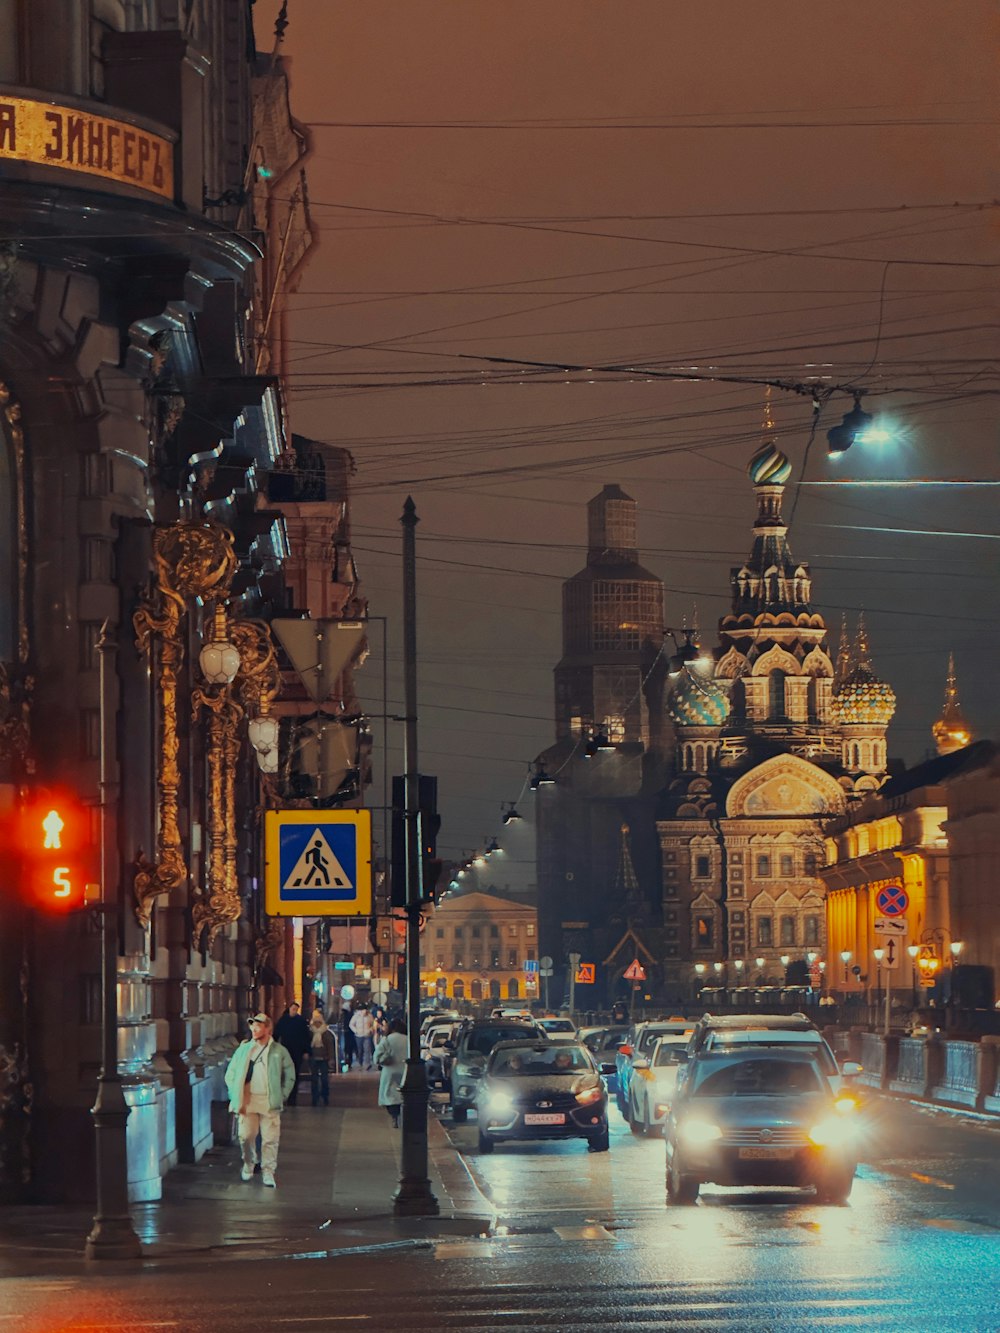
(62,136)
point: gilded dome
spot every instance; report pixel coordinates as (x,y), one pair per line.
(769,466)
(698,700)
(864,700)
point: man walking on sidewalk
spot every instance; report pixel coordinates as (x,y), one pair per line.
(363,1025)
(259,1078)
(293,1032)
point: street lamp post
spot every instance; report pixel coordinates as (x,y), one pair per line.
(879,955)
(112,1235)
(913,950)
(845,958)
(414,1196)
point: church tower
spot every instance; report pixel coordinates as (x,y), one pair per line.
(612,632)
(863,706)
(951,731)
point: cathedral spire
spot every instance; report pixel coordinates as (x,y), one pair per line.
(844,659)
(951,731)
(627,889)
(862,648)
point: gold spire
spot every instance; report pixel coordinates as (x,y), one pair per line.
(951,731)
(862,649)
(844,663)
(767,428)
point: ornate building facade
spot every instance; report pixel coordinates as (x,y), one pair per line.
(155,215)
(771,740)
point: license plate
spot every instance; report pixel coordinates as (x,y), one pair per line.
(767,1154)
(547,1118)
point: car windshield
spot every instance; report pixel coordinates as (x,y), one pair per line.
(800,1041)
(604,1041)
(669,1052)
(557,1025)
(648,1039)
(536,1060)
(482,1040)
(759,1078)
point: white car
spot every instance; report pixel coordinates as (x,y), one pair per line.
(651,1089)
(558,1029)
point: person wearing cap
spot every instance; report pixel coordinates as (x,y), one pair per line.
(259,1078)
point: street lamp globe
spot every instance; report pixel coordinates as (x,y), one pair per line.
(700,969)
(878,954)
(846,955)
(785,959)
(759,962)
(956,947)
(717,967)
(219,659)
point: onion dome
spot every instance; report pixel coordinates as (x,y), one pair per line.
(769,466)
(951,731)
(862,699)
(698,701)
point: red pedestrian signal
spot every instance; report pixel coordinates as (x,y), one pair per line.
(57,857)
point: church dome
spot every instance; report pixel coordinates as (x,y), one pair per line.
(769,466)
(698,701)
(864,700)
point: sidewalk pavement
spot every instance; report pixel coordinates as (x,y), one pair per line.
(338,1169)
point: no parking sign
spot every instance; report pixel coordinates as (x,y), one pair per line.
(892,900)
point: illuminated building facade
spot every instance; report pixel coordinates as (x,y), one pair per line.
(154,217)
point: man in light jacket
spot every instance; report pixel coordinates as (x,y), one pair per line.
(363,1025)
(259,1078)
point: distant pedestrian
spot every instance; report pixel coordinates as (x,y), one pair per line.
(292,1031)
(259,1078)
(363,1025)
(348,1046)
(381,1022)
(390,1057)
(322,1049)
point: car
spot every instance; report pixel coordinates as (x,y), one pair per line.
(716,1032)
(558,1029)
(603,1044)
(437,1055)
(760,1116)
(653,1082)
(471,1049)
(640,1042)
(437,1016)
(542,1090)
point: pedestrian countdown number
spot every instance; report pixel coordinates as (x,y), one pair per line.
(318,862)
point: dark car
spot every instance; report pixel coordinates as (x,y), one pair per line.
(542,1090)
(764,1116)
(472,1045)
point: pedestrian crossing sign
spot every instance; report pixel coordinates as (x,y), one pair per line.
(318,862)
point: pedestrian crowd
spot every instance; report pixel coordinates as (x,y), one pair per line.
(262,1077)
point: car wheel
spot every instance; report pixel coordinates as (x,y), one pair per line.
(459,1114)
(681,1189)
(485,1143)
(634,1123)
(836,1190)
(601,1141)
(620,1103)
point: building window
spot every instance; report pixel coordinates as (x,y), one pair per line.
(704,932)
(459,965)
(459,933)
(494,932)
(458,990)
(787,864)
(512,932)
(512,989)
(495,958)
(702,867)
(512,958)
(764,936)
(809,863)
(476,932)
(812,930)
(787,930)
(440,932)
(531,930)
(763,867)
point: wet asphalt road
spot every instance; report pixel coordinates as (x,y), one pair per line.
(585,1241)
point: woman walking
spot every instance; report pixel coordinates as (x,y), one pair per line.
(390,1057)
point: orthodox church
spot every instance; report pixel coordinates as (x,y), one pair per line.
(772,737)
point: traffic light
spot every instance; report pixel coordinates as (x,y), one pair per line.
(56,852)
(428,824)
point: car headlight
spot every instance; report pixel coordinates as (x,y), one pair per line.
(832,1133)
(844,1105)
(500,1103)
(588,1095)
(697,1132)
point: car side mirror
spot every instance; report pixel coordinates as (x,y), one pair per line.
(851,1069)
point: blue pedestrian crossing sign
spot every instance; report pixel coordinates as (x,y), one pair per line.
(318,862)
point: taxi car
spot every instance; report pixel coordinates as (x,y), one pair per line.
(761,1116)
(542,1090)
(654,1080)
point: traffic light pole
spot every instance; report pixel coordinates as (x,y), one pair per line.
(414,1197)
(112,1235)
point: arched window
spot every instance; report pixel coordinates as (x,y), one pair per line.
(477,990)
(494,990)
(776,694)
(458,989)
(513,989)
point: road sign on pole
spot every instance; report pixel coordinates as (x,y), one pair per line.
(892,900)
(318,862)
(635,971)
(585,974)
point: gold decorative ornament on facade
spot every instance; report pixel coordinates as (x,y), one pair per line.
(190,560)
(16,685)
(241,668)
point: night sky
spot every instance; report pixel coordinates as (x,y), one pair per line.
(768,191)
